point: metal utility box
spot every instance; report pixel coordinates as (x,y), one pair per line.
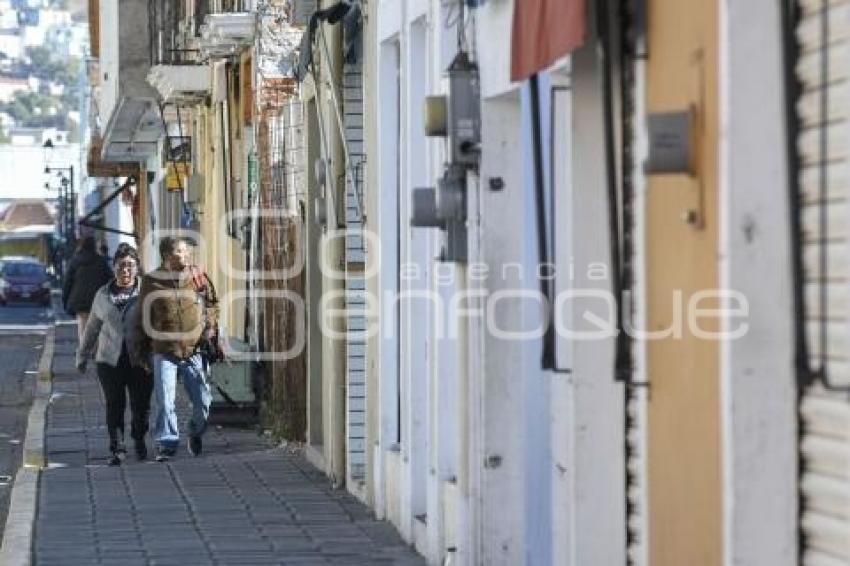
(235,379)
(671,142)
(464,108)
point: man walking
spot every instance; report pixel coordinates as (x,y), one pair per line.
(174,315)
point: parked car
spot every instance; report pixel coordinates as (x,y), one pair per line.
(23,279)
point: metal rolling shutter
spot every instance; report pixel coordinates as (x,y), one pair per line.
(636,395)
(636,476)
(825,415)
(355,282)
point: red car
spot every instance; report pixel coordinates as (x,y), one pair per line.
(24,279)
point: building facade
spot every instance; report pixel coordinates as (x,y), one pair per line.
(535,293)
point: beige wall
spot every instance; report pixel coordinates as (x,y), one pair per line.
(684,463)
(220,249)
(370,131)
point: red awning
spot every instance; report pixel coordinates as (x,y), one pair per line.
(543,31)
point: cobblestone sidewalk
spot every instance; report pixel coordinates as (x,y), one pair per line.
(242,502)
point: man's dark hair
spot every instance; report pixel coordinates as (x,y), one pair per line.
(87,243)
(125,250)
(167,245)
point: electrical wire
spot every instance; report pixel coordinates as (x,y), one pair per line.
(452,16)
(340,122)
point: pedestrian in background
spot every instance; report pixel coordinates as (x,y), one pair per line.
(103,250)
(176,315)
(108,326)
(87,272)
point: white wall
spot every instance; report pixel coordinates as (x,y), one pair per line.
(596,414)
(387,229)
(415,459)
(561,437)
(415,332)
(117,215)
(494,19)
(559,490)
(502,487)
(497,462)
(494,419)
(108,60)
(758,383)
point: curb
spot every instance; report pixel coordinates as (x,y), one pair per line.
(20,522)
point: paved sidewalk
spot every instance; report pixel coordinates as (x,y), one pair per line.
(242,502)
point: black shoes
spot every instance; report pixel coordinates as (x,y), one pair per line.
(195,446)
(141,450)
(116,447)
(117,458)
(165,453)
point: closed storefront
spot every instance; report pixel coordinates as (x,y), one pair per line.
(823,70)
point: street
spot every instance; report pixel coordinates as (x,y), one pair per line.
(244,501)
(19,354)
(24,317)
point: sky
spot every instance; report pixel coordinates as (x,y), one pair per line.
(22,169)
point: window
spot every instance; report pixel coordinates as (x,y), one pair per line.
(23,270)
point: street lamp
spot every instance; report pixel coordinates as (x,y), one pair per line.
(59,251)
(67,196)
(66,205)
(60,207)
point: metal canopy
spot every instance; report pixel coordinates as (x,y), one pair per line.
(133,131)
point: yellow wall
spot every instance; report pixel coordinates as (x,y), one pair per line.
(684,467)
(238,187)
(221,249)
(209,165)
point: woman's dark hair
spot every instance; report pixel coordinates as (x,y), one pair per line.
(125,250)
(87,244)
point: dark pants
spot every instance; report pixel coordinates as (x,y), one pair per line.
(116,383)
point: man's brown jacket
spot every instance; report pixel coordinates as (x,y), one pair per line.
(171,313)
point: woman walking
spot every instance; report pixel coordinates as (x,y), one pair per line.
(87,272)
(108,327)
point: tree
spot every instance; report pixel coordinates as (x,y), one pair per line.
(17,109)
(65,72)
(40,61)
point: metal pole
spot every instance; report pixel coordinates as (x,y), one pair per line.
(73,209)
(64,214)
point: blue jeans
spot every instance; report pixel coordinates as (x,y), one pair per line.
(166,370)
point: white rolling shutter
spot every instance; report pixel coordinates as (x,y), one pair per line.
(636,475)
(634,130)
(355,281)
(825,415)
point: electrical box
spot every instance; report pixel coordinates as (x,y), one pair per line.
(424,209)
(444,208)
(234,378)
(457,117)
(436,116)
(671,143)
(464,122)
(451,196)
